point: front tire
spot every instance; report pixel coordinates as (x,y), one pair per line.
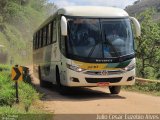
(115,89)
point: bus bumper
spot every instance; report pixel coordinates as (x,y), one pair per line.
(75,79)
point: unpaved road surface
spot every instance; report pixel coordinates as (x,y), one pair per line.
(96,101)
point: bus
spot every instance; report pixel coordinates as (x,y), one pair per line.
(86,46)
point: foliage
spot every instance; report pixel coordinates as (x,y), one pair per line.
(27,93)
(6,88)
(148,52)
(18,20)
(149,88)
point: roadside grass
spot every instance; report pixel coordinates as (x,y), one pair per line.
(145,87)
(28,98)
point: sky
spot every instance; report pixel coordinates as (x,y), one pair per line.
(115,3)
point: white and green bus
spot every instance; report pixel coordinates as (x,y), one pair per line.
(84,46)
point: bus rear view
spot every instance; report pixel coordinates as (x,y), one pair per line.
(96,47)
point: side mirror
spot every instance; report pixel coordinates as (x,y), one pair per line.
(64,26)
(137,26)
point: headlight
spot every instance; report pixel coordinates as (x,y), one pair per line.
(75,68)
(130,67)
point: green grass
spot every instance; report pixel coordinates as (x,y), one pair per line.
(147,88)
(28,96)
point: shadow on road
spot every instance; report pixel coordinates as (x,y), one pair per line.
(75,94)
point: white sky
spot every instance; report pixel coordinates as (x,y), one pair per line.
(115,3)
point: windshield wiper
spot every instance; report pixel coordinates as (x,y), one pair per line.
(112,46)
(92,50)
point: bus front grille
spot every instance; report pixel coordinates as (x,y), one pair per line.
(96,80)
(109,72)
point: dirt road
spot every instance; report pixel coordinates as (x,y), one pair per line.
(96,101)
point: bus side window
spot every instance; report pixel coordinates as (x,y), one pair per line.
(62,41)
(51,40)
(37,41)
(49,35)
(63,45)
(54,32)
(34,41)
(44,36)
(41,37)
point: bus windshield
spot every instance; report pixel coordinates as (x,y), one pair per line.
(99,38)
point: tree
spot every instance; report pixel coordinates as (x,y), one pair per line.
(148,52)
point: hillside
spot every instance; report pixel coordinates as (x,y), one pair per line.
(18,20)
(142,5)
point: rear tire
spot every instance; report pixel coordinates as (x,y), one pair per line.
(115,89)
(43,83)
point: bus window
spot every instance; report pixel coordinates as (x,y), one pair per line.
(44,36)
(37,38)
(52,23)
(41,36)
(62,45)
(49,34)
(34,41)
(37,41)
(54,32)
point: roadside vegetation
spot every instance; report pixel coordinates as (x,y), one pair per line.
(145,87)
(147,53)
(18,20)
(27,94)
(148,46)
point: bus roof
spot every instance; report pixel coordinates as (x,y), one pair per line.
(88,11)
(93,11)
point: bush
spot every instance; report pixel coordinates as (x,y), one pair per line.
(153,88)
(5,68)
(27,95)
(6,86)
(7,95)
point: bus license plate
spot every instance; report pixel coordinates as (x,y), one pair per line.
(103,84)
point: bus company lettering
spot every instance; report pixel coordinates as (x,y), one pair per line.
(109,60)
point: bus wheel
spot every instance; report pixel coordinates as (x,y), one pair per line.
(42,82)
(115,89)
(61,89)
